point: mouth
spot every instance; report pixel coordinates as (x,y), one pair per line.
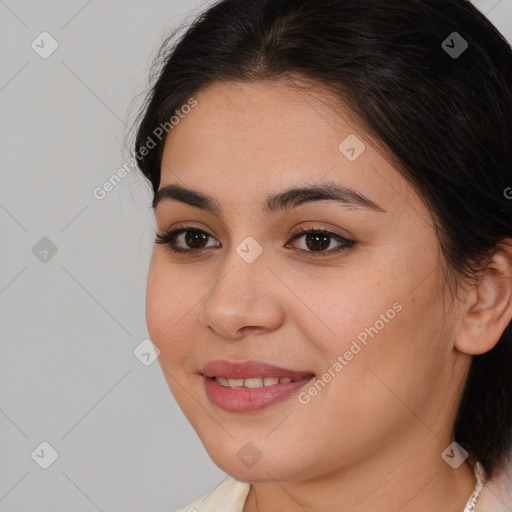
(247,370)
(252,385)
(256,382)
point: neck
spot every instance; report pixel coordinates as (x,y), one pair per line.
(417,482)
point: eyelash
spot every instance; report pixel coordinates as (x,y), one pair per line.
(168,238)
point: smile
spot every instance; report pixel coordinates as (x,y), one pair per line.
(255,382)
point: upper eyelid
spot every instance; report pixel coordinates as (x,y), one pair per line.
(299,230)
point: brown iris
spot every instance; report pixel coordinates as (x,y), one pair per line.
(317,238)
(194,238)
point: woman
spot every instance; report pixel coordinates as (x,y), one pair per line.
(331,284)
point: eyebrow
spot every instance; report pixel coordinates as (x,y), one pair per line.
(285,200)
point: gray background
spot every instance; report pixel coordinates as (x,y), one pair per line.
(70,321)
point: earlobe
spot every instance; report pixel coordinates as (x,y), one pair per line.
(489,305)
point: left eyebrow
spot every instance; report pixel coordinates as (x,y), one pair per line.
(284,200)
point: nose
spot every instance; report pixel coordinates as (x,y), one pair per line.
(244,298)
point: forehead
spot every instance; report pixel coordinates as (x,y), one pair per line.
(266,114)
(257,137)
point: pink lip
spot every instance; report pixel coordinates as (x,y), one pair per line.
(248,369)
(249,399)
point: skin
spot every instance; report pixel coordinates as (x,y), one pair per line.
(372,438)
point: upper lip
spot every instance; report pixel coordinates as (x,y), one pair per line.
(249,369)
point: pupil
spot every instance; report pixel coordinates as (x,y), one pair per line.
(318,237)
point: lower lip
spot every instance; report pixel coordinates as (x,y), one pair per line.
(249,399)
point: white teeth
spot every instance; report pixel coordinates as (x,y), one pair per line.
(254,382)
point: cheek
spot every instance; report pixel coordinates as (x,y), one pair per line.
(379,329)
(169,306)
(169,310)
(385,307)
(347,310)
(373,389)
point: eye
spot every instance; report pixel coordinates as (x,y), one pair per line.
(316,241)
(194,241)
(194,238)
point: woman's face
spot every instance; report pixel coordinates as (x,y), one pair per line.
(368,321)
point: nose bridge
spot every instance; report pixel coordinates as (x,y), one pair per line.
(243,275)
(245,264)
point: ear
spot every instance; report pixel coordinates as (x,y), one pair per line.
(488,307)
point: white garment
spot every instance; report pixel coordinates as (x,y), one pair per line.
(496,495)
(230,496)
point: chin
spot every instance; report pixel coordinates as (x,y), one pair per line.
(249,465)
